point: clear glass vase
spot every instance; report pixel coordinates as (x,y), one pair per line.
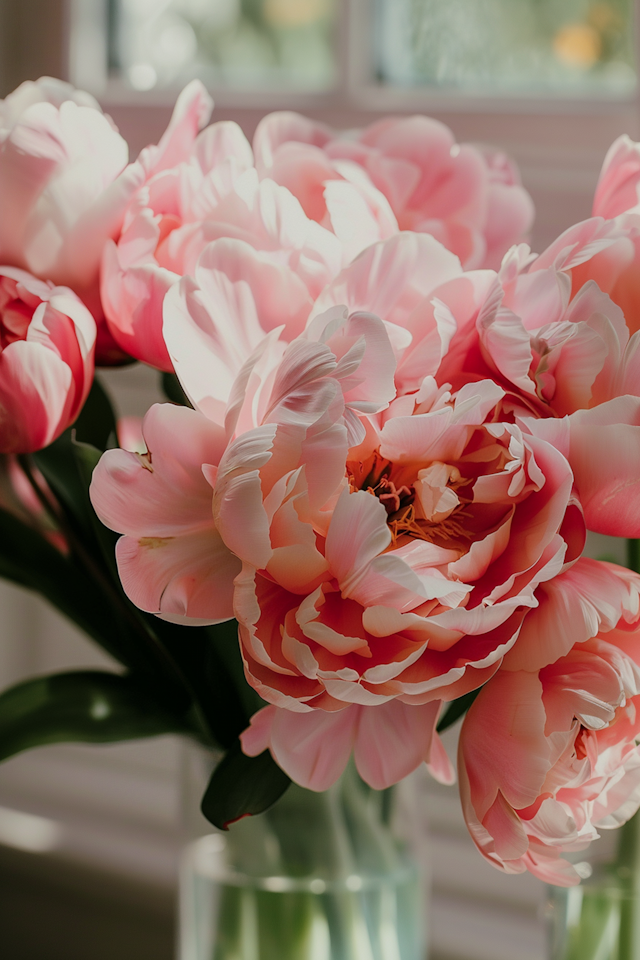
(600,918)
(319,876)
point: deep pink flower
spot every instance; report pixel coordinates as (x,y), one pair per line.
(549,758)
(47,339)
(403,173)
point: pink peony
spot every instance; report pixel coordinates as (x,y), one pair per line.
(47,339)
(65,183)
(170,501)
(403,173)
(381,539)
(606,248)
(424,567)
(254,238)
(617,189)
(549,758)
(558,354)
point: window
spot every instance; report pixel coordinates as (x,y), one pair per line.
(508,47)
(227,43)
(493,48)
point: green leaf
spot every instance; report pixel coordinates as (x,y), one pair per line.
(86,458)
(88,706)
(209,659)
(456,708)
(30,560)
(172,389)
(233,700)
(242,786)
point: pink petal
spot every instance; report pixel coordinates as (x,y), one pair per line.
(313,748)
(392,740)
(605,459)
(572,608)
(357,534)
(184,578)
(282,127)
(392,277)
(36,392)
(191,112)
(163,494)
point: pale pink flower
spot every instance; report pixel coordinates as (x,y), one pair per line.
(47,340)
(65,183)
(607,247)
(403,173)
(255,234)
(605,251)
(617,189)
(171,501)
(547,759)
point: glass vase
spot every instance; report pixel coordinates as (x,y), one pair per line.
(319,876)
(600,918)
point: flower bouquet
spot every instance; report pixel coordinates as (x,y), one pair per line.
(361,514)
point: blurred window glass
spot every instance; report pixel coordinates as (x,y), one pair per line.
(238,44)
(508,47)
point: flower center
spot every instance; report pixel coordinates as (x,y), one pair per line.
(428,508)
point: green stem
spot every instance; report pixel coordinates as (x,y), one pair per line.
(628,862)
(628,858)
(157,651)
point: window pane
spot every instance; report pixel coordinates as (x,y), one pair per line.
(508,46)
(227,43)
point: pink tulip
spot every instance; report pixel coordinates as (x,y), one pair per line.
(549,758)
(403,173)
(47,339)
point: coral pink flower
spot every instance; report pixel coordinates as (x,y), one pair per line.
(65,183)
(47,339)
(256,235)
(557,353)
(549,758)
(416,579)
(402,173)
